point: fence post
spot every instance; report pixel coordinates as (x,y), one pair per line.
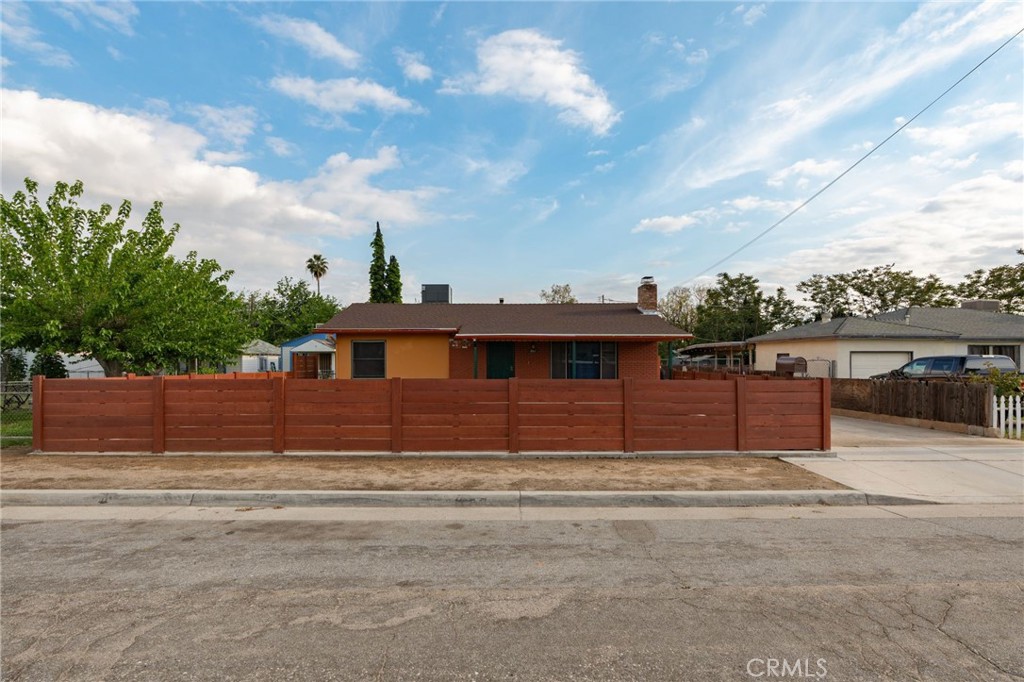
(826,414)
(627,415)
(741,413)
(396,414)
(158,445)
(278,393)
(37,412)
(513,415)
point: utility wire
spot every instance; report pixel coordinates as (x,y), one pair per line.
(857,163)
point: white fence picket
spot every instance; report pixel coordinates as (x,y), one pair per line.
(1008,416)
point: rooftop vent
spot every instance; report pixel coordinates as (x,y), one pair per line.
(436,293)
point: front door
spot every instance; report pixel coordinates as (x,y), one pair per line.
(501,360)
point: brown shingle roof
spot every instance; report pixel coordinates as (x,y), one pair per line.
(506,320)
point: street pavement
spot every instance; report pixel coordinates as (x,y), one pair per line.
(921,464)
(923,592)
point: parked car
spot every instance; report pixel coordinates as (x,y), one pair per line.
(945,366)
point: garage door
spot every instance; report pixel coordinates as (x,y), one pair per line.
(865,363)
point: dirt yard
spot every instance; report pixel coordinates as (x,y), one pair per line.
(19,470)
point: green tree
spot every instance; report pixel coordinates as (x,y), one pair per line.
(291,310)
(378,270)
(881,289)
(736,309)
(1004,283)
(78,281)
(559,293)
(393,277)
(13,365)
(317,266)
(679,306)
(50,365)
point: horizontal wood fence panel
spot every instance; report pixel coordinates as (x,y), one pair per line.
(271,412)
(56,421)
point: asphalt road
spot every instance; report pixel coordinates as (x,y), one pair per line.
(229,597)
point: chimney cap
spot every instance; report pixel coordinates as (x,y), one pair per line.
(646,279)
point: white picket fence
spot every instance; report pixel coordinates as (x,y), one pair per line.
(1008,416)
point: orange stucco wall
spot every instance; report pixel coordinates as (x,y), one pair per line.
(410,356)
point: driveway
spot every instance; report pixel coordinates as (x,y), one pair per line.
(922,464)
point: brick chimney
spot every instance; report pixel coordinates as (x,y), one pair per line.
(647,296)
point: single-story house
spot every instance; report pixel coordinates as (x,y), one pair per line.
(309,357)
(257,356)
(498,341)
(857,348)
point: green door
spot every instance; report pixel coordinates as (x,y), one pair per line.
(501,360)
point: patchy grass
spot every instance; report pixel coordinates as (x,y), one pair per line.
(15,427)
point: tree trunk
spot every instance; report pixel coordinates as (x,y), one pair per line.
(111,368)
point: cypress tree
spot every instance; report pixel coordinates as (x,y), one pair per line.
(378,270)
(394,281)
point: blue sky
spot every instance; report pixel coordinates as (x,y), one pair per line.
(505,147)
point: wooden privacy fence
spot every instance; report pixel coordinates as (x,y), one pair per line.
(278,414)
(955,402)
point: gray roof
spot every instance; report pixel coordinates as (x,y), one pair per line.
(258,347)
(978,325)
(912,323)
(512,320)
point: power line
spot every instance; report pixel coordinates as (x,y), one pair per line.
(857,163)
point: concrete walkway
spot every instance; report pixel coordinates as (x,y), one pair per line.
(930,466)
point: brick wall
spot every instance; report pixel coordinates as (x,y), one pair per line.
(639,361)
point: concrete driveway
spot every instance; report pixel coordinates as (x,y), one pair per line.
(922,464)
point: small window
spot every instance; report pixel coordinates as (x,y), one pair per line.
(368,360)
(944,365)
(584,360)
(916,368)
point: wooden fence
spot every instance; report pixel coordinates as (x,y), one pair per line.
(279,414)
(954,402)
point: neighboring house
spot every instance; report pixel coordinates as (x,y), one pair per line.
(498,341)
(257,356)
(309,357)
(857,347)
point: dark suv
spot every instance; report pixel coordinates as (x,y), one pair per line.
(940,366)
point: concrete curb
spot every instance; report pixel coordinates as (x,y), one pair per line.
(466,498)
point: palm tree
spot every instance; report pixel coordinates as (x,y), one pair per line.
(317,266)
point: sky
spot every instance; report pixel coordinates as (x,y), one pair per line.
(506,147)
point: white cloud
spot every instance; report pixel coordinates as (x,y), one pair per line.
(343,96)
(604,167)
(17,32)
(666,224)
(232,125)
(969,127)
(118,16)
(597,152)
(413,66)
(805,169)
(281,147)
(935,35)
(754,15)
(498,175)
(697,57)
(224,158)
(263,229)
(527,65)
(311,37)
(548,211)
(751,203)
(976,221)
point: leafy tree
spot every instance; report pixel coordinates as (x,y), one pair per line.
(378,270)
(393,277)
(50,365)
(290,311)
(736,309)
(78,281)
(881,289)
(317,266)
(679,306)
(1004,283)
(13,365)
(559,293)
